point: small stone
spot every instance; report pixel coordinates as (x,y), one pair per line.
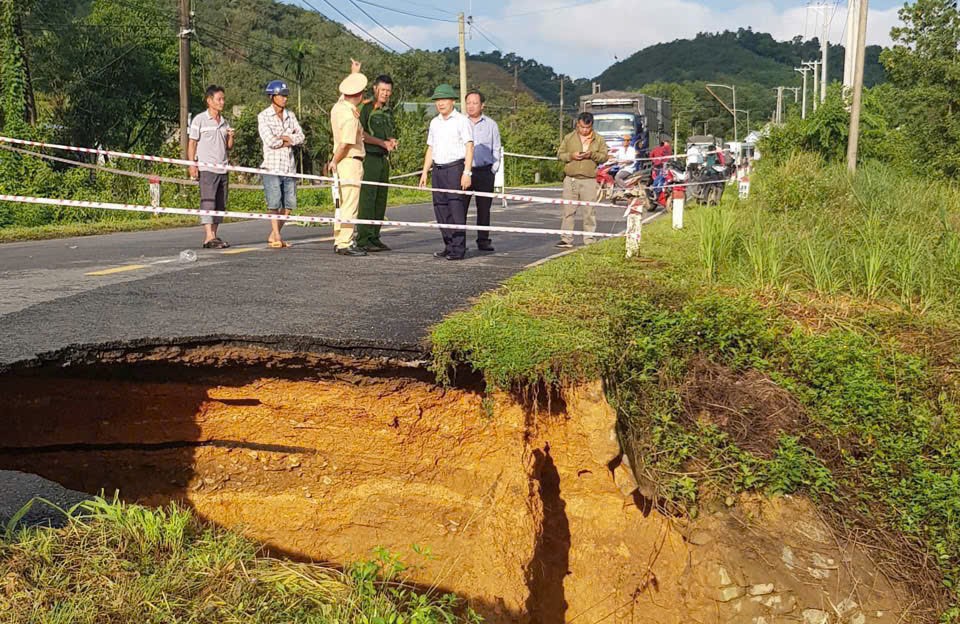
(846,606)
(823,562)
(818,573)
(726,594)
(761,590)
(327,480)
(700,538)
(624,479)
(307,494)
(788,558)
(815,616)
(781,605)
(858,618)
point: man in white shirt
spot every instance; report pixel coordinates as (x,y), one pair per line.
(279,132)
(450,157)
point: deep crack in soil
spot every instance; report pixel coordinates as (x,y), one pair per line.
(325,458)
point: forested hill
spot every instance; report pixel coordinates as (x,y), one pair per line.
(744,57)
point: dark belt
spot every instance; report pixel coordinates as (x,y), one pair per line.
(483,167)
(360,158)
(455,163)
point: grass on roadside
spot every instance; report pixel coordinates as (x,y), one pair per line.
(846,393)
(115,562)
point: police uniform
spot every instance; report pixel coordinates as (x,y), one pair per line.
(377,122)
(345,123)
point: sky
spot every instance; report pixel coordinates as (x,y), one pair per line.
(581,38)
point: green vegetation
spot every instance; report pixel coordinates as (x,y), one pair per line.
(801,341)
(115,562)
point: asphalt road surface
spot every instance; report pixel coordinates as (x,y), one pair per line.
(130,287)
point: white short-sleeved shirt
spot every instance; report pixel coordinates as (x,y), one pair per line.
(449,137)
(211,137)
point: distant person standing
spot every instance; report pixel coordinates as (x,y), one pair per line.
(380,139)
(450,158)
(211,139)
(486,163)
(279,132)
(348,158)
(580,151)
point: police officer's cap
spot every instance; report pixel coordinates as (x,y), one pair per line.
(353,84)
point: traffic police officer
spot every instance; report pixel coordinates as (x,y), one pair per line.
(348,156)
(380,138)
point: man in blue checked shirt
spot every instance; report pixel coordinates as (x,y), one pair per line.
(486,162)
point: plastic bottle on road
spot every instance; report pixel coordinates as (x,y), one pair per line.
(188,255)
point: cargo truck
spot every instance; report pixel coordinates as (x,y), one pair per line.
(617,114)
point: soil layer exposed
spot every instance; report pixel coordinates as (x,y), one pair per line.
(515,509)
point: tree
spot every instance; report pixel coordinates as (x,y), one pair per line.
(924,65)
(297,54)
(16,106)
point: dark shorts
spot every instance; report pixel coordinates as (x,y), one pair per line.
(213,194)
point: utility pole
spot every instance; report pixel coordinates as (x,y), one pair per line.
(561,108)
(516,83)
(778,116)
(796,94)
(463,64)
(724,104)
(184,35)
(803,106)
(816,82)
(857,88)
(824,47)
(850,44)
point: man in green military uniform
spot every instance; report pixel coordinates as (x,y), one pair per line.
(379,137)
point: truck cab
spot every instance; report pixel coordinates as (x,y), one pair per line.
(620,113)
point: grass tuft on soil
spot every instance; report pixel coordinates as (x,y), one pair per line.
(787,344)
(115,562)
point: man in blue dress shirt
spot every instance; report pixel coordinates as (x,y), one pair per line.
(486,162)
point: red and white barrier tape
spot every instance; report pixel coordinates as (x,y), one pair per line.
(303,176)
(279,217)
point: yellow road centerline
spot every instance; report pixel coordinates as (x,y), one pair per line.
(240,250)
(120,269)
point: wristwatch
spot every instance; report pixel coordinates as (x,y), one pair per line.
(468,173)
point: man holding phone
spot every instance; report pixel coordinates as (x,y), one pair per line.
(580,151)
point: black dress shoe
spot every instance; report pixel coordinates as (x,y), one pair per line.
(440,254)
(485,246)
(380,245)
(370,248)
(454,257)
(350,251)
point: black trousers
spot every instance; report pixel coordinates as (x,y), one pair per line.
(483,178)
(450,208)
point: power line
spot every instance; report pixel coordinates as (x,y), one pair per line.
(429,6)
(387,8)
(556,8)
(269,48)
(373,19)
(484,35)
(344,15)
(246,58)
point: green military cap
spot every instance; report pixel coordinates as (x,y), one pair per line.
(444,92)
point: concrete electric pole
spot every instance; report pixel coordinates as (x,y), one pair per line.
(850,44)
(824,48)
(463,64)
(184,35)
(561,108)
(803,105)
(857,87)
(816,81)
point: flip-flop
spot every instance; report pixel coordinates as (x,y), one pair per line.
(277,244)
(215,243)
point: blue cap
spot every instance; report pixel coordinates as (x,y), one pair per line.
(277,87)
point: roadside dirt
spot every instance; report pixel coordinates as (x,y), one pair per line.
(328,458)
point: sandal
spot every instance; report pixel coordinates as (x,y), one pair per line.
(215,243)
(277,244)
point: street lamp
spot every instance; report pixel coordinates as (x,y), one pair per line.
(722,103)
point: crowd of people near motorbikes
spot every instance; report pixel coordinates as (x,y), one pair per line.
(635,172)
